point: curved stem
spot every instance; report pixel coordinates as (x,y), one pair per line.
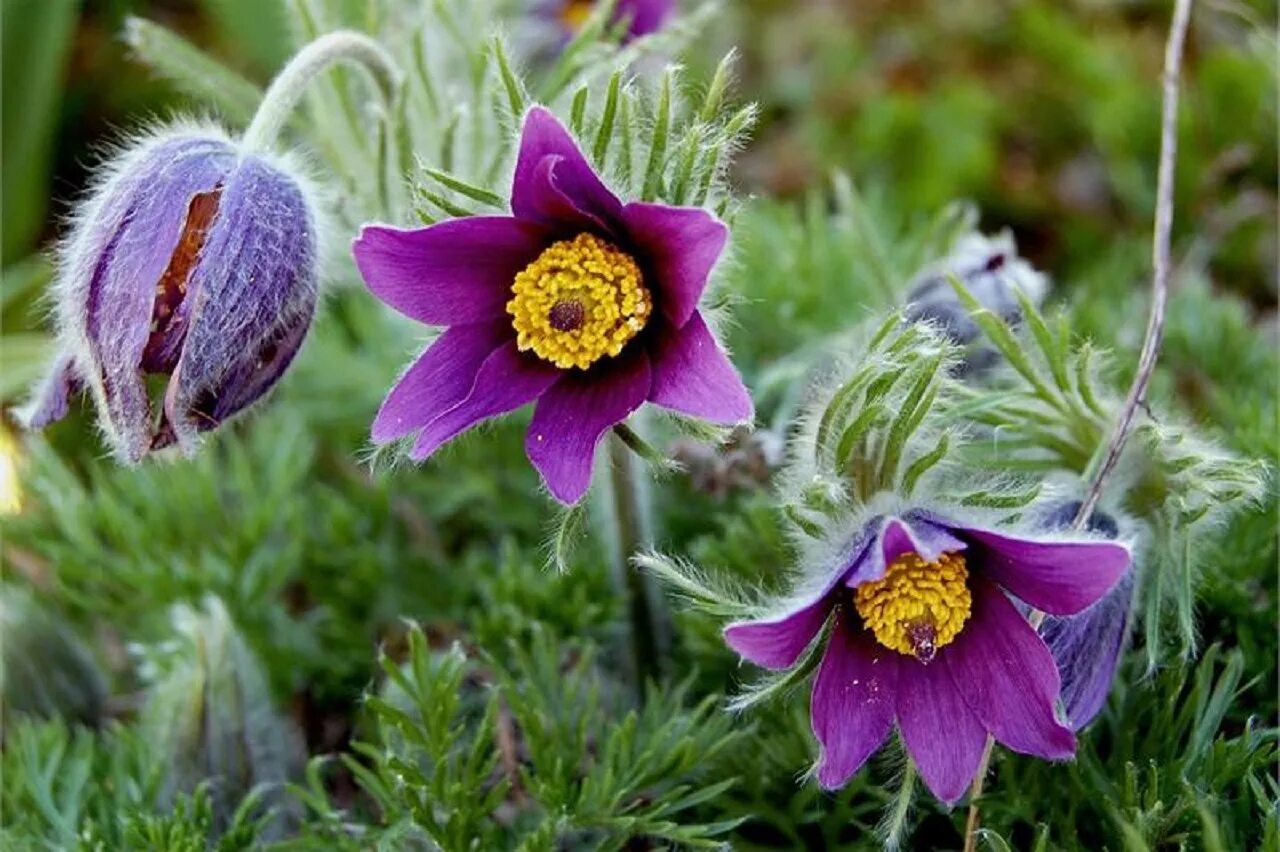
(289,85)
(1160,263)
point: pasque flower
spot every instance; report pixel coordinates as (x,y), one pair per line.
(642,17)
(193,260)
(1087,646)
(579,301)
(925,636)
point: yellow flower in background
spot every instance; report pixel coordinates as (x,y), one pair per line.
(10,462)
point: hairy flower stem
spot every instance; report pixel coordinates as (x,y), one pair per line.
(1160,253)
(290,84)
(631,535)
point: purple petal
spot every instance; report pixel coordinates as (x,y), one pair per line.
(1007,676)
(643,16)
(506,380)
(1058,577)
(1087,650)
(52,397)
(115,263)
(776,644)
(692,375)
(251,298)
(900,536)
(573,416)
(453,273)
(440,379)
(554,185)
(680,245)
(852,703)
(944,737)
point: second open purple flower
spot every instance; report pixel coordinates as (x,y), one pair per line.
(578,301)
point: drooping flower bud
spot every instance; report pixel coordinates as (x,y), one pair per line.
(992,271)
(195,260)
(1087,646)
(209,711)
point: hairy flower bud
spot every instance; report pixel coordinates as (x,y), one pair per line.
(210,714)
(193,260)
(992,271)
(45,668)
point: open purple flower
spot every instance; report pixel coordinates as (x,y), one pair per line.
(578,301)
(195,261)
(642,17)
(926,636)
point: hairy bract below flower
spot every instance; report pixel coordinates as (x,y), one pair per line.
(925,636)
(578,301)
(193,260)
(1087,646)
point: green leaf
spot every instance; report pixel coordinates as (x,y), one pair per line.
(192,71)
(37,41)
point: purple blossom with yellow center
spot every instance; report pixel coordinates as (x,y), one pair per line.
(197,261)
(925,636)
(578,301)
(642,17)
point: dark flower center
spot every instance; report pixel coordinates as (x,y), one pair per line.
(567,316)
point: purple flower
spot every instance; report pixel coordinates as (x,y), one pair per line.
(925,635)
(642,17)
(1087,646)
(578,301)
(193,261)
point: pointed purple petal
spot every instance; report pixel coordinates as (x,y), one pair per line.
(692,375)
(554,185)
(1007,676)
(1058,577)
(573,416)
(776,644)
(900,536)
(506,380)
(643,16)
(251,298)
(453,273)
(51,399)
(852,703)
(115,263)
(440,379)
(943,736)
(1087,649)
(679,245)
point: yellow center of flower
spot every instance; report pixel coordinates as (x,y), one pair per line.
(580,300)
(574,13)
(917,607)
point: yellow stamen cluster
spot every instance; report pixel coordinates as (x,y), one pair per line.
(574,13)
(580,300)
(917,607)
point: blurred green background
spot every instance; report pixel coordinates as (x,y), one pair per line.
(1043,112)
